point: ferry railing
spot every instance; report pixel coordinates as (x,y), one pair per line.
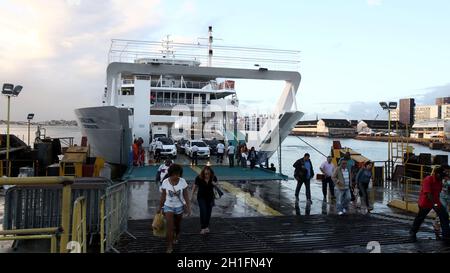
(33,234)
(39,206)
(12,167)
(114,216)
(418,171)
(79,224)
(66,182)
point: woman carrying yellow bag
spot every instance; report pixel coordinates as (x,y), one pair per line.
(174,202)
(159,226)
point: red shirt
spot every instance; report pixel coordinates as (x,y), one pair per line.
(433,186)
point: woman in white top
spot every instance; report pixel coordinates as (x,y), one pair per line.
(174,202)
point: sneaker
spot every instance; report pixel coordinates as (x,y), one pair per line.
(169,250)
(344,211)
(203,232)
(207,230)
(340,213)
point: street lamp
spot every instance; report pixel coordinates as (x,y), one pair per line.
(29,118)
(389,106)
(9,90)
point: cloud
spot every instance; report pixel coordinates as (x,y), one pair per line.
(374,2)
(58,51)
(355,111)
(432,93)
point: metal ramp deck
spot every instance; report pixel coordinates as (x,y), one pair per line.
(287,234)
(223,173)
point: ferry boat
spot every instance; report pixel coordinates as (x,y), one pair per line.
(190,89)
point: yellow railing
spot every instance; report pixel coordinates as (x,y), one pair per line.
(6,166)
(421,170)
(79,223)
(102,225)
(66,201)
(32,234)
(114,215)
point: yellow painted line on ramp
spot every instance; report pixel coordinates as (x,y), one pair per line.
(249,200)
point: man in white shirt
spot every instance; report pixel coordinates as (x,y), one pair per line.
(327,169)
(230,152)
(194,150)
(342,177)
(158,149)
(220,152)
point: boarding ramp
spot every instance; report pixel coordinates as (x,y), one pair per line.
(223,173)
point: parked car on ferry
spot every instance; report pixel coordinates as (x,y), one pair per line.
(169,148)
(203,149)
(181,145)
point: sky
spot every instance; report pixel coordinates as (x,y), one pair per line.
(354,53)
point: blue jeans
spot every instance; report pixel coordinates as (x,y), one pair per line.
(444,201)
(205,211)
(342,199)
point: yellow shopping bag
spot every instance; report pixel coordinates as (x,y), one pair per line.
(159,225)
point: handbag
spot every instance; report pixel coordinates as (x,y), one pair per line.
(159,226)
(218,193)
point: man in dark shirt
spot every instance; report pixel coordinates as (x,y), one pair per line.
(303,173)
(429,199)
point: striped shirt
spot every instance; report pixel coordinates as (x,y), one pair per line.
(346,175)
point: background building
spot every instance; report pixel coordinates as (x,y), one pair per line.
(445,112)
(335,128)
(406,115)
(442,101)
(427,112)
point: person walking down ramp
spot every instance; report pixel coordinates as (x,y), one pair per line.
(303,173)
(362,181)
(327,169)
(429,199)
(174,202)
(342,178)
(204,185)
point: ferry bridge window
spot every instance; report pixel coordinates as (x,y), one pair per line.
(203,96)
(175,98)
(181,98)
(166,97)
(152,97)
(189,98)
(196,98)
(127,91)
(159,97)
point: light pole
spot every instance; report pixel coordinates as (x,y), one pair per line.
(389,106)
(9,90)
(29,118)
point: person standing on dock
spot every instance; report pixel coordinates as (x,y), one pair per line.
(220,152)
(204,184)
(253,157)
(244,156)
(230,153)
(429,200)
(362,180)
(174,202)
(158,149)
(327,169)
(342,178)
(303,173)
(351,165)
(194,150)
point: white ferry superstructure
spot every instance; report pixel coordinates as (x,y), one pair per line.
(183,87)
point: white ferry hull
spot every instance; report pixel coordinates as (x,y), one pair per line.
(108,132)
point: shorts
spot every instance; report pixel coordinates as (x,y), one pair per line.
(176,211)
